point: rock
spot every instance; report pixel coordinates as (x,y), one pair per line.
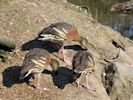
(119,78)
(7,43)
(112,79)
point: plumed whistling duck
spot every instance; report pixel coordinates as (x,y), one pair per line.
(60,33)
(34,63)
(125,7)
(83,62)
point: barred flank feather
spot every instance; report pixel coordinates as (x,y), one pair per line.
(22,76)
(33,70)
(91,63)
(29,72)
(47,37)
(62,34)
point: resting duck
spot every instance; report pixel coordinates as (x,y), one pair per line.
(60,33)
(34,63)
(83,63)
(126,7)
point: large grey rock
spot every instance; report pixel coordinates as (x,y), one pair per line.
(119,78)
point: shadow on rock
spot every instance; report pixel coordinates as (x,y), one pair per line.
(61,76)
(74,47)
(11,76)
(64,76)
(51,47)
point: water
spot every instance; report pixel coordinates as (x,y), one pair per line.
(100,10)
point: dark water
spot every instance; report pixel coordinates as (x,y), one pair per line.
(100,10)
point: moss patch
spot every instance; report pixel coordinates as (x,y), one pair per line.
(4,54)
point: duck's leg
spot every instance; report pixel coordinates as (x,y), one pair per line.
(87,84)
(61,51)
(38,86)
(78,83)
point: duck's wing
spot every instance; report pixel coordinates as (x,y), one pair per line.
(77,60)
(26,67)
(35,60)
(55,32)
(83,60)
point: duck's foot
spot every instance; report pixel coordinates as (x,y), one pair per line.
(86,87)
(91,89)
(40,88)
(78,84)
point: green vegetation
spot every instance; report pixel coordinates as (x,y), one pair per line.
(4,54)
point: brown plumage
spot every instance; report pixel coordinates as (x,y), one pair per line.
(60,33)
(34,63)
(125,7)
(83,62)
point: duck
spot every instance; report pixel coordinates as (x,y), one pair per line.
(60,33)
(83,63)
(125,7)
(35,61)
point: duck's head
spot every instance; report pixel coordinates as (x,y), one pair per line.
(54,64)
(83,41)
(79,61)
(117,7)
